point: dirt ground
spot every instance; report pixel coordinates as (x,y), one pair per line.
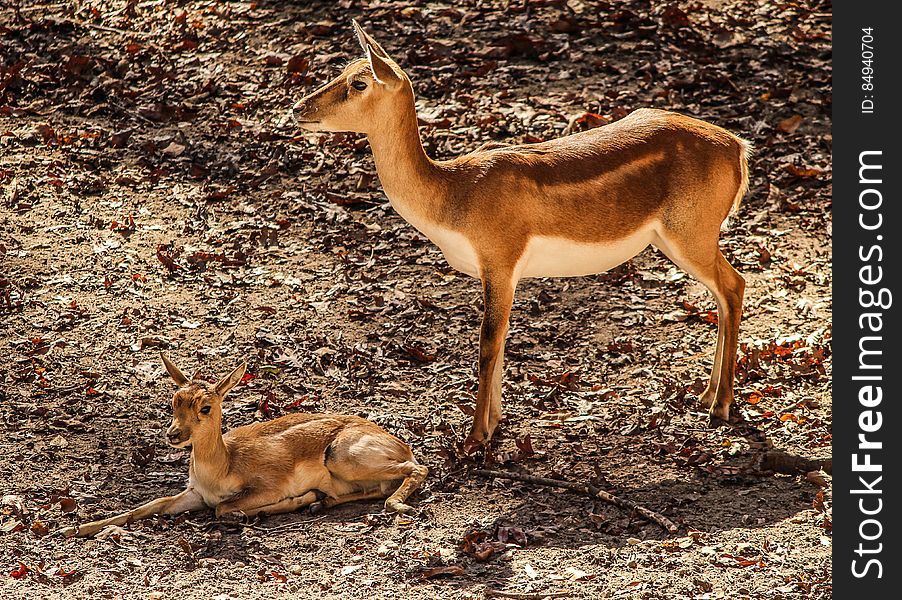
(154,197)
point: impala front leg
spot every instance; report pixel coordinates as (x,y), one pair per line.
(169,505)
(498,292)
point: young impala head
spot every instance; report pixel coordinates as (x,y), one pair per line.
(366,94)
(197,405)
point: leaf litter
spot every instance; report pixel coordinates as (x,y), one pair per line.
(157,198)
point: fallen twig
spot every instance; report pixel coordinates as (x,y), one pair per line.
(588,489)
(132,33)
(297,526)
(489,593)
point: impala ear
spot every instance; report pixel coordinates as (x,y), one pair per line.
(382,70)
(174,371)
(366,39)
(231,380)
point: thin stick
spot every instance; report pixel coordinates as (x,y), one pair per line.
(275,529)
(137,34)
(590,490)
(489,593)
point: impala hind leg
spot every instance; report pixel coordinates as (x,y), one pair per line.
(498,292)
(414,479)
(286,505)
(330,501)
(709,266)
(730,291)
(360,460)
(414,475)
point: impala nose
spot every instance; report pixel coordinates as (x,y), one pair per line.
(174,435)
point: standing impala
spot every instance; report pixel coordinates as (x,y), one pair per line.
(572,206)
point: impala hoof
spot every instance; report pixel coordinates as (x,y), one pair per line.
(473,443)
(719,415)
(400,508)
(317,507)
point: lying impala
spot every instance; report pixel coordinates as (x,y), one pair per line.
(277,466)
(572,206)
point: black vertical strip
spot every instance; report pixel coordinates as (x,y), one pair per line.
(866,234)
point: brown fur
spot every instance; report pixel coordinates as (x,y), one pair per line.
(276,466)
(653,168)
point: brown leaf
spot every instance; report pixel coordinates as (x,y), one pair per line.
(186,45)
(186,547)
(585,122)
(120,138)
(511,535)
(67,504)
(47,133)
(221,194)
(524,445)
(278,576)
(39,528)
(797,171)
(674,16)
(817,478)
(168,262)
(173,149)
(477,545)
(450,571)
(790,124)
(297,65)
(418,354)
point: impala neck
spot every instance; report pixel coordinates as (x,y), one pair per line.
(210,454)
(410,178)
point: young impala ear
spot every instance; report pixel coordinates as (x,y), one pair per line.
(230,380)
(382,70)
(174,372)
(366,39)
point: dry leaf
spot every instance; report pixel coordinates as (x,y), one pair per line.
(790,124)
(450,571)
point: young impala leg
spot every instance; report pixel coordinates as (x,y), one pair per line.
(711,268)
(374,458)
(416,477)
(286,505)
(329,501)
(186,501)
(498,292)
(254,502)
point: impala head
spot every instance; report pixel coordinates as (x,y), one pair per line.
(197,405)
(363,97)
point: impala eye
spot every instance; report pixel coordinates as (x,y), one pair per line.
(358,85)
(205,410)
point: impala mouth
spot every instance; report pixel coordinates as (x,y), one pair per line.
(309,125)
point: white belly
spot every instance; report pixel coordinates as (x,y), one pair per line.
(560,257)
(545,256)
